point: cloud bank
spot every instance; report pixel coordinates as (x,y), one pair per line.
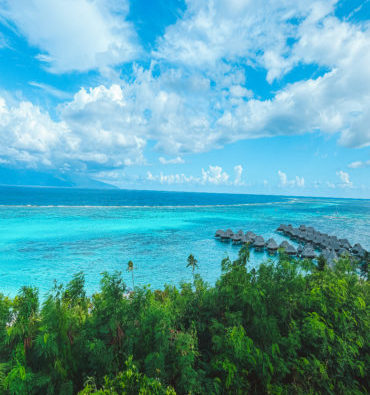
(193,92)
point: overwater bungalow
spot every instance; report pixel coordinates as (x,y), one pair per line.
(308,252)
(259,243)
(290,250)
(295,234)
(281,228)
(287,229)
(358,250)
(228,233)
(225,236)
(271,245)
(345,244)
(251,236)
(284,244)
(236,238)
(219,233)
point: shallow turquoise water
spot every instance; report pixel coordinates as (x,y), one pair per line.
(40,244)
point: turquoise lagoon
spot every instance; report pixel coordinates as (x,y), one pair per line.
(48,234)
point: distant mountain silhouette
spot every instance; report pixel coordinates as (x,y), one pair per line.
(28,177)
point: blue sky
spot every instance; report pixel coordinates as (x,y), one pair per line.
(267,97)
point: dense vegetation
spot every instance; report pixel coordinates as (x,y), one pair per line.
(288,327)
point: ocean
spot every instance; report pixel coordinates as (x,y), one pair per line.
(48,234)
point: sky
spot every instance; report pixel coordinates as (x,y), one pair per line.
(264,97)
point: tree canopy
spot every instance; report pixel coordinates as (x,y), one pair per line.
(286,327)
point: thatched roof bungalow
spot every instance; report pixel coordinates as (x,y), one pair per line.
(259,242)
(290,250)
(271,245)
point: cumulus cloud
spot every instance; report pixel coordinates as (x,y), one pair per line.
(346,182)
(74,34)
(358,164)
(337,102)
(213,175)
(224,29)
(284,181)
(238,170)
(194,94)
(30,137)
(173,161)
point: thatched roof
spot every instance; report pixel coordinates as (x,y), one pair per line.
(259,242)
(271,245)
(284,244)
(219,233)
(345,244)
(250,235)
(290,250)
(229,233)
(308,252)
(236,238)
(342,251)
(358,250)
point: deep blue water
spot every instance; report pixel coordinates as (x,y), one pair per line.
(51,233)
(118,197)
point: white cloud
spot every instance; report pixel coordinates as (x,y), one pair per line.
(240,91)
(171,178)
(59,94)
(224,29)
(29,136)
(299,181)
(358,164)
(200,99)
(83,138)
(172,161)
(74,34)
(346,182)
(238,170)
(104,122)
(214,175)
(257,32)
(284,181)
(283,178)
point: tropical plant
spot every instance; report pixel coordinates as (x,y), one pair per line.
(130,268)
(192,262)
(283,327)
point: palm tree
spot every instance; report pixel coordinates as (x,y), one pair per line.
(130,268)
(192,262)
(244,254)
(365,265)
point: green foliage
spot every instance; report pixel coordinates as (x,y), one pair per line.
(321,263)
(286,327)
(130,268)
(192,262)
